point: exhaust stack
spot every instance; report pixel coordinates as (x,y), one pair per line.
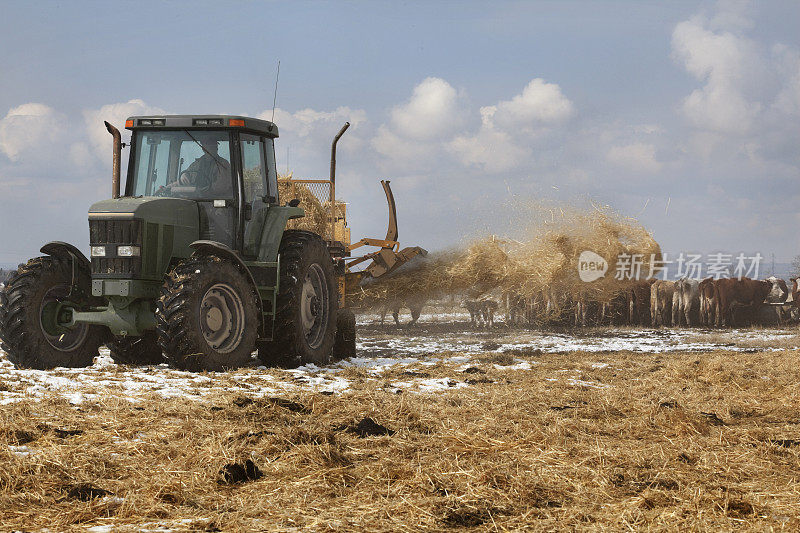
(333,161)
(115,162)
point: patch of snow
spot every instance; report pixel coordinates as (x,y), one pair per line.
(105,528)
(439,384)
(7,401)
(378,352)
(522,365)
(376,365)
(20,451)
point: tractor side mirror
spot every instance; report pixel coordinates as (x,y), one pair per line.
(294,203)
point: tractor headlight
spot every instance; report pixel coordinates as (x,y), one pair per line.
(98,251)
(128,251)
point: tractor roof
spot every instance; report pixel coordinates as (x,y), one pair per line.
(215,122)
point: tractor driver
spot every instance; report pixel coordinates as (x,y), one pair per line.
(209,174)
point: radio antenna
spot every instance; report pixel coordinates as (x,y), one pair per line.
(275,96)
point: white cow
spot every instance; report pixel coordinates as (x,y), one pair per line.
(779,291)
(686,302)
(775,315)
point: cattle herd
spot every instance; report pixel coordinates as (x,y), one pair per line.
(710,302)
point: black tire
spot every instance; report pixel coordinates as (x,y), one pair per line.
(41,281)
(304,261)
(134,351)
(224,336)
(345,344)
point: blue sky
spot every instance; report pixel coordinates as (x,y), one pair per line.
(474,110)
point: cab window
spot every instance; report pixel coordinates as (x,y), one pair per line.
(253,167)
(272,173)
(182,164)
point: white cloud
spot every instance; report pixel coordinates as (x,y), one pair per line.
(401,150)
(432,112)
(490,148)
(746,106)
(637,157)
(30,127)
(496,147)
(115,114)
(306,135)
(540,103)
(309,122)
(729,67)
(419,128)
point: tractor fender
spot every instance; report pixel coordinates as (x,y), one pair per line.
(217,249)
(65,251)
(272,232)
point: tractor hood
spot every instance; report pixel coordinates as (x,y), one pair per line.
(176,212)
(160,229)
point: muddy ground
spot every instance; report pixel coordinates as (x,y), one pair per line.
(436,427)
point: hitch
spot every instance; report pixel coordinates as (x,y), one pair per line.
(388,258)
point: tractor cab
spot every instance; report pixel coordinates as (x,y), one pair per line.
(224,164)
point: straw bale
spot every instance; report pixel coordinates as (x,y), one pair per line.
(542,266)
(549,259)
(318,214)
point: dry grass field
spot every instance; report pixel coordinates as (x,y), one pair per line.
(679,438)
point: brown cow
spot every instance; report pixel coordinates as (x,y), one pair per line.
(414,304)
(795,292)
(743,292)
(708,302)
(639,302)
(661,293)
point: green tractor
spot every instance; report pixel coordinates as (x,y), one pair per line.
(193,263)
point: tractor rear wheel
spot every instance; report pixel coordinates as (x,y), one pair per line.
(133,351)
(345,345)
(207,316)
(30,309)
(308,300)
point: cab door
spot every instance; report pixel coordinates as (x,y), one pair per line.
(254,184)
(218,209)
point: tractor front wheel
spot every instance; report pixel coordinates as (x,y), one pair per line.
(305,317)
(133,351)
(207,316)
(33,304)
